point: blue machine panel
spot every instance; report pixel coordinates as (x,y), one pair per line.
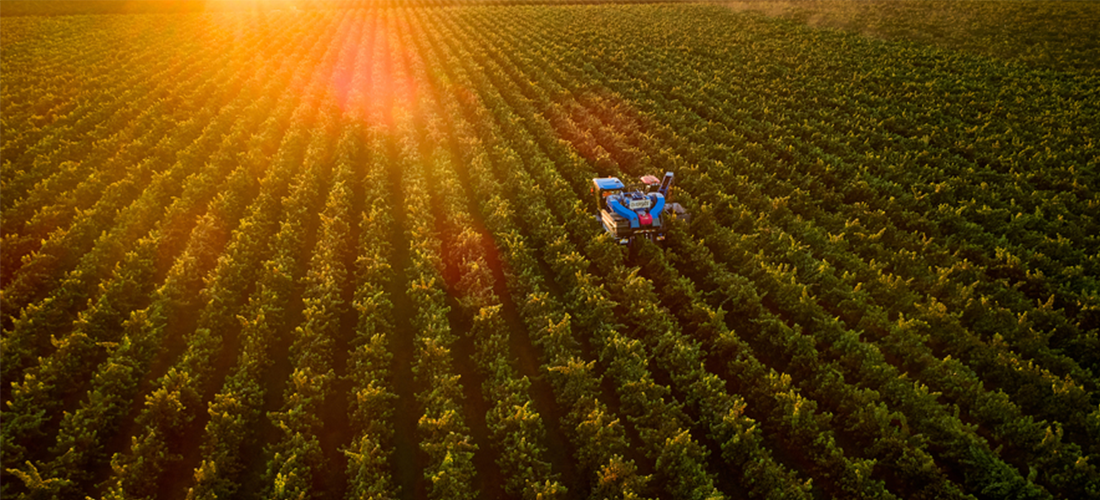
(658,207)
(624,212)
(608,183)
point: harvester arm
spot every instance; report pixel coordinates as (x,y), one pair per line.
(658,207)
(624,212)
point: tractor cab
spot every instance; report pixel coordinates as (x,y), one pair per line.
(604,187)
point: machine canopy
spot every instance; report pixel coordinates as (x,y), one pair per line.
(606,183)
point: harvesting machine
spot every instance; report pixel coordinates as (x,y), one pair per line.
(640,211)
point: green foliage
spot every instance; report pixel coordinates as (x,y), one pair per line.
(39,487)
(1047,35)
(888,286)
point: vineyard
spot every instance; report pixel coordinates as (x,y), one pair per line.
(349,251)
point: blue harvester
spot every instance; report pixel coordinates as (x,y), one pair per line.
(637,212)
